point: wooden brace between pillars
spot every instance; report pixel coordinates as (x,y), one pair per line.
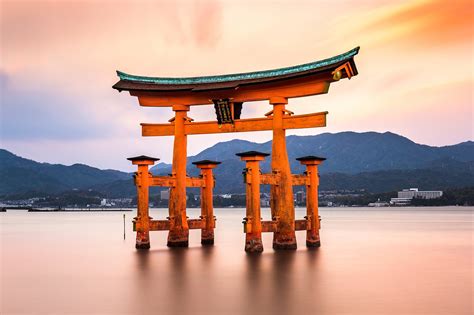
(312,207)
(252,222)
(143,223)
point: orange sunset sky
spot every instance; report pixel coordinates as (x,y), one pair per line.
(58,62)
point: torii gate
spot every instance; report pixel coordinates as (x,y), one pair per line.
(228,93)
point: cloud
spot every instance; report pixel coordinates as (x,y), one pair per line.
(422,23)
(207,22)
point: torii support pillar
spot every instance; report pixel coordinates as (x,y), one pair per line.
(281,195)
(252,221)
(312,211)
(207,210)
(142,181)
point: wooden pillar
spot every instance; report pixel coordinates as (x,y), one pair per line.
(179,230)
(142,181)
(207,209)
(281,195)
(312,211)
(253,220)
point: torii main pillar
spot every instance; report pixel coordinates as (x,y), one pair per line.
(179,231)
(281,195)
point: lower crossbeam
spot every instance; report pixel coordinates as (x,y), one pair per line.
(164,225)
(269,226)
(302,225)
(272,226)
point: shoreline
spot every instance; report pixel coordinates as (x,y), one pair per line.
(95,210)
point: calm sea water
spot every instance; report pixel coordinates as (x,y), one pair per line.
(372,261)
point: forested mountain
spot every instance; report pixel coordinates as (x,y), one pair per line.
(373,161)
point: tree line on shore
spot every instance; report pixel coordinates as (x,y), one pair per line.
(76,198)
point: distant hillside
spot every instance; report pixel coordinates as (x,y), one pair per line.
(377,162)
(373,161)
(20,175)
(346,152)
(456,175)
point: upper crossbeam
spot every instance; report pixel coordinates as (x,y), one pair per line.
(240,125)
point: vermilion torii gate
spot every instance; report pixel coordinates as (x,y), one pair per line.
(228,93)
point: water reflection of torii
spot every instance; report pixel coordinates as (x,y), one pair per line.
(228,93)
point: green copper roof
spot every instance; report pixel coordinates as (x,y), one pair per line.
(241,76)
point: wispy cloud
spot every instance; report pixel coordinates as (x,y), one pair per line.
(207,24)
(422,22)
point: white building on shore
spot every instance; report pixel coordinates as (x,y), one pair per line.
(406,195)
(415,193)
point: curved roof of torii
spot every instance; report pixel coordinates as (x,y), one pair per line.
(130,82)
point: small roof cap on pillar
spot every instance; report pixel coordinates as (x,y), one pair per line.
(310,158)
(252,153)
(142,158)
(203,162)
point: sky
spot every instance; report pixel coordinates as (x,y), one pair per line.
(58,61)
